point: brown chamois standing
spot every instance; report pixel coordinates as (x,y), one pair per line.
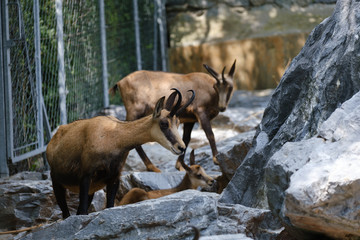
(195,177)
(87,155)
(141,89)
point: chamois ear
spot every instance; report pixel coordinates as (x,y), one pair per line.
(158,107)
(232,69)
(192,157)
(212,72)
(186,167)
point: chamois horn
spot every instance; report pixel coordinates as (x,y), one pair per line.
(232,69)
(222,74)
(178,103)
(187,104)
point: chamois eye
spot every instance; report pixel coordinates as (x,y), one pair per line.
(164,125)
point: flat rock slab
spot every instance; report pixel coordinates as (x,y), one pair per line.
(169,217)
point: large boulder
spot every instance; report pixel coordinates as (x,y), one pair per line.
(169,217)
(313,184)
(323,76)
(27,199)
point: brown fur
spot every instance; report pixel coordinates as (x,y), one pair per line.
(96,149)
(94,145)
(195,177)
(141,89)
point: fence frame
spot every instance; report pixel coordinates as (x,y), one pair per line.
(4,171)
(43,129)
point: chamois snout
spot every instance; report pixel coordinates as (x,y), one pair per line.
(222,109)
(211,182)
(179,148)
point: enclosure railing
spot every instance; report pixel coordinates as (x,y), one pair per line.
(58,58)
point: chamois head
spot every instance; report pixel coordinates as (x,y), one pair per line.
(166,122)
(223,87)
(197,174)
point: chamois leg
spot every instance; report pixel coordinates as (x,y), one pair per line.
(206,126)
(84,196)
(188,127)
(111,190)
(149,165)
(90,198)
(60,195)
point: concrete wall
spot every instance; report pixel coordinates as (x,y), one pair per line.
(262,35)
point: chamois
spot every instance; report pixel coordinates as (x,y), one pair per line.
(141,89)
(195,177)
(87,155)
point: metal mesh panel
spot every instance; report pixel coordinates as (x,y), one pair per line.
(121,41)
(49,64)
(22,72)
(82,58)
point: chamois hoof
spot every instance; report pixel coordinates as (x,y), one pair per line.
(152,168)
(216,162)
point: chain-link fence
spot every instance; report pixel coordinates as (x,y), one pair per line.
(24,126)
(123,55)
(52,63)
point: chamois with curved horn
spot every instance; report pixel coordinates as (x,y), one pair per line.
(87,155)
(140,90)
(195,177)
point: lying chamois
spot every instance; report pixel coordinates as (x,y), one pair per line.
(141,89)
(195,177)
(87,155)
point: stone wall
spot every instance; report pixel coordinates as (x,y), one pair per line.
(262,35)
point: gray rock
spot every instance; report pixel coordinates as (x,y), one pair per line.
(230,153)
(260,2)
(291,157)
(324,195)
(28,176)
(25,202)
(343,123)
(227,237)
(230,159)
(321,183)
(312,184)
(318,80)
(237,3)
(165,218)
(154,181)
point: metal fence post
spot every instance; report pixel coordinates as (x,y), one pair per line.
(4,170)
(137,35)
(155,51)
(162,30)
(60,44)
(103,53)
(39,122)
